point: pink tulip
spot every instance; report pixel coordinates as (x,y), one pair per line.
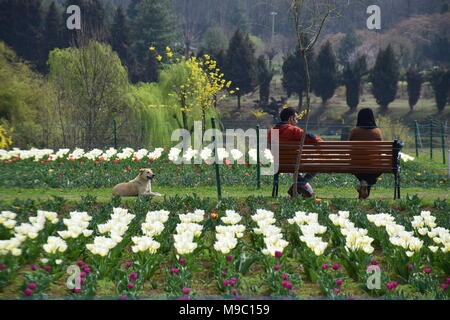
(339,283)
(130,285)
(336,266)
(182,260)
(186,290)
(229,258)
(232,281)
(427,270)
(174,270)
(410,266)
(286,284)
(276,267)
(34,267)
(225,283)
(336,291)
(234,292)
(80,263)
(284,276)
(82,274)
(47,268)
(133,276)
(325,266)
(374,262)
(128,264)
(32,285)
(76,290)
(3,266)
(278,254)
(27,292)
(444,286)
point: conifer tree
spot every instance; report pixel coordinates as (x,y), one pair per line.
(352,75)
(121,42)
(21,28)
(440,82)
(293,80)
(53,31)
(153,25)
(347,46)
(384,78)
(414,79)
(325,75)
(240,65)
(265,76)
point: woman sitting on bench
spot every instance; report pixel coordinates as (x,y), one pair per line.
(366,130)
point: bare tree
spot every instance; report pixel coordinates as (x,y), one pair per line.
(309,19)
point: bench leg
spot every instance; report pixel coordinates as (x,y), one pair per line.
(275,186)
(397,186)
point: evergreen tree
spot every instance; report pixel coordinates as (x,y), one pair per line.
(240,65)
(131,10)
(347,46)
(384,78)
(325,74)
(53,31)
(414,79)
(153,26)
(237,15)
(121,43)
(440,81)
(21,28)
(265,76)
(92,22)
(293,80)
(352,75)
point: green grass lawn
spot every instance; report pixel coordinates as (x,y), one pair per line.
(428,195)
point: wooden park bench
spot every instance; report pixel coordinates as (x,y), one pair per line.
(341,157)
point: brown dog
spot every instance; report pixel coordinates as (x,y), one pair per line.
(141,185)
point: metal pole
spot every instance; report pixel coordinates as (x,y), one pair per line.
(431,138)
(115,133)
(216,164)
(448,164)
(443,143)
(258,161)
(273,13)
(416,131)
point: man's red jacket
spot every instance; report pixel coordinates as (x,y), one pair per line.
(289,133)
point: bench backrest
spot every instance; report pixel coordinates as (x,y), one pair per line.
(341,157)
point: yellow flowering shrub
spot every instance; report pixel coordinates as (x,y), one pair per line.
(5,138)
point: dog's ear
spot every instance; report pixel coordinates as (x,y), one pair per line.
(141,170)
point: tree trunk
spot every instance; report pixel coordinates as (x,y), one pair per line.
(300,101)
(185,122)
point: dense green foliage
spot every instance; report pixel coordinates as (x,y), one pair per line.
(384,77)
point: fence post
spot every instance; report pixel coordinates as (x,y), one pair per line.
(258,161)
(443,143)
(416,131)
(115,133)
(216,162)
(431,138)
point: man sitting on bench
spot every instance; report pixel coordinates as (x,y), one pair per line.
(289,133)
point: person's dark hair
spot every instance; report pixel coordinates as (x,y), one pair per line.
(366,119)
(286,113)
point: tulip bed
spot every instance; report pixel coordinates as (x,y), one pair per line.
(192,248)
(105,168)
